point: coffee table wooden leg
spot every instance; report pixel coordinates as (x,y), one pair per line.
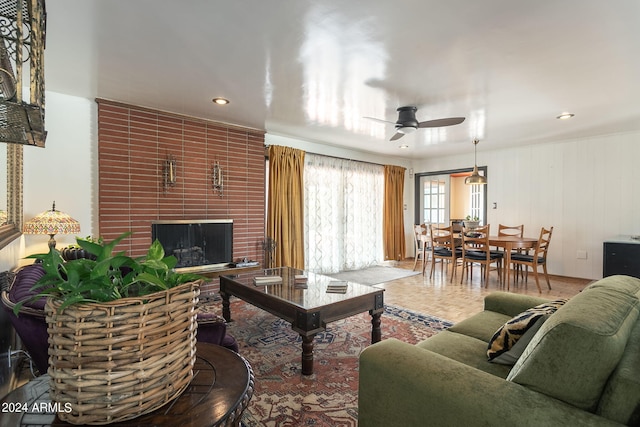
(376,333)
(307,355)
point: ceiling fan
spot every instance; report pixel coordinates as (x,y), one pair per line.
(407,122)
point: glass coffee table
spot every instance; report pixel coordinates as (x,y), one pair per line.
(302,299)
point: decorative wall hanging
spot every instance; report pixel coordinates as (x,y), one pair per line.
(22,41)
(169,171)
(217,179)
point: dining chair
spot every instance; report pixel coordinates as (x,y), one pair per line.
(420,232)
(457,226)
(476,250)
(511,230)
(443,248)
(537,259)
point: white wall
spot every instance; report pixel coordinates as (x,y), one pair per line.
(64,171)
(587,189)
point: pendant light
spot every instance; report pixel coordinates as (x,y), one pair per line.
(475,178)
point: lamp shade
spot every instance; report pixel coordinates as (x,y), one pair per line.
(475,178)
(51,222)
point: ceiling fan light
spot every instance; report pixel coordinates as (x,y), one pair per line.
(406,129)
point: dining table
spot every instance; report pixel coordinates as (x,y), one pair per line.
(510,243)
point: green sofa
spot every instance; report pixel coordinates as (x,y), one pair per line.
(581,368)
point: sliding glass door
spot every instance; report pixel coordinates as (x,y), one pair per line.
(343,211)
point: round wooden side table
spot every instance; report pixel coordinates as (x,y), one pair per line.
(219,393)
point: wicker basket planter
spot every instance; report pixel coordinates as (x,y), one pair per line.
(117,360)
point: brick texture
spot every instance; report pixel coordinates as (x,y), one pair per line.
(134,143)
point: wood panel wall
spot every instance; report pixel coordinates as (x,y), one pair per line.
(133,145)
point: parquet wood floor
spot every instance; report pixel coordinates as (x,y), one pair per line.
(455,301)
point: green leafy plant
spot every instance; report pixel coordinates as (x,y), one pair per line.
(109,277)
(469,218)
(92,239)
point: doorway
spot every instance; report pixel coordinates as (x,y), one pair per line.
(442,196)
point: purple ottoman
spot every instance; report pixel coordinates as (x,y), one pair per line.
(30,324)
(212,329)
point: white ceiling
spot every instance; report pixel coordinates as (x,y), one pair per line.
(313,69)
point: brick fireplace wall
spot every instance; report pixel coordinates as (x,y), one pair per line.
(133,145)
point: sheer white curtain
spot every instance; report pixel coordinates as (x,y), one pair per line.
(343,203)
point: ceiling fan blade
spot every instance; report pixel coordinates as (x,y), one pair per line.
(379,120)
(398,135)
(441,122)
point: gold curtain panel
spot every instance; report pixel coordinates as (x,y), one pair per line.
(285,213)
(393,219)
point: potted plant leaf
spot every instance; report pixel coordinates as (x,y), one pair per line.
(75,251)
(121,331)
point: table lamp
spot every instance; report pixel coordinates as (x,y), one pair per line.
(51,222)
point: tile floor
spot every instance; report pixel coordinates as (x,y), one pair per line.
(455,301)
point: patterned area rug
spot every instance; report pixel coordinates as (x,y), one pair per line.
(374,275)
(329,397)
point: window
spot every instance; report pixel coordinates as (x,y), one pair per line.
(476,202)
(434,193)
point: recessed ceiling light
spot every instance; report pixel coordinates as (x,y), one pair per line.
(220,101)
(565,116)
(403,146)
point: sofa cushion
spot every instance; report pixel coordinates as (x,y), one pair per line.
(578,347)
(510,304)
(510,340)
(626,284)
(481,325)
(509,356)
(620,400)
(464,349)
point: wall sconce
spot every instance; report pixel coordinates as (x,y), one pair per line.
(169,172)
(217,178)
